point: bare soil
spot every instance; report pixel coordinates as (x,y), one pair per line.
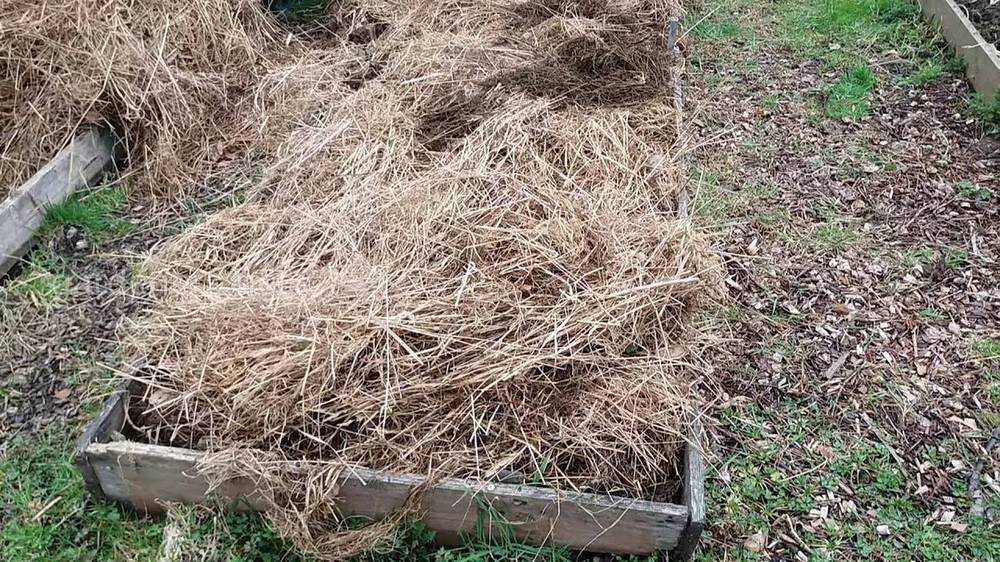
(52,350)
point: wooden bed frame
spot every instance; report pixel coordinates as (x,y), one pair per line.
(148,477)
(79,164)
(981,57)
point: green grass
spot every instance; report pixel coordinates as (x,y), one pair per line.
(43,279)
(988,113)
(931,315)
(956,259)
(48,515)
(849,26)
(713,29)
(299,11)
(92,211)
(921,256)
(848,97)
(41,286)
(845,34)
(952,258)
(38,474)
(928,71)
(752,491)
(987,349)
(833,235)
(208,534)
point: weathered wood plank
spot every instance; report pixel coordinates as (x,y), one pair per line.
(693,495)
(111,418)
(983,62)
(22,212)
(148,476)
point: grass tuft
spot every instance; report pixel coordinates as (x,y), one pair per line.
(864,20)
(848,98)
(710,29)
(42,281)
(988,349)
(93,211)
(987,112)
(928,71)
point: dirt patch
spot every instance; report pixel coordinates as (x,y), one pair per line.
(986,15)
(58,349)
(51,350)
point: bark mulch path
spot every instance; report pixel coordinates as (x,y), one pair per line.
(858,383)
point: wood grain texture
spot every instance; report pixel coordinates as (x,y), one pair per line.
(693,495)
(111,418)
(149,476)
(23,211)
(983,62)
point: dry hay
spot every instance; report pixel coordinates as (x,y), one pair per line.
(158,71)
(461,254)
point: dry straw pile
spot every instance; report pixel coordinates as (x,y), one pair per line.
(461,253)
(162,72)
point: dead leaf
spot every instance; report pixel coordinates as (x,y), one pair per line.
(756,542)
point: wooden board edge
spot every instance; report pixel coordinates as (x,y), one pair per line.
(79,164)
(126,471)
(111,418)
(692,495)
(981,57)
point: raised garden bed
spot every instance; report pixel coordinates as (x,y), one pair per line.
(985,14)
(980,54)
(78,165)
(148,477)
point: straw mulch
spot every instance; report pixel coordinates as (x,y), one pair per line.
(461,252)
(163,73)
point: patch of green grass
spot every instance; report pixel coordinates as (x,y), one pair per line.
(931,315)
(952,258)
(712,200)
(956,259)
(753,490)
(42,279)
(968,190)
(843,33)
(48,515)
(988,113)
(774,218)
(41,286)
(93,211)
(928,71)
(834,236)
(922,256)
(199,533)
(865,18)
(713,29)
(855,23)
(848,97)
(772,102)
(299,11)
(987,349)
